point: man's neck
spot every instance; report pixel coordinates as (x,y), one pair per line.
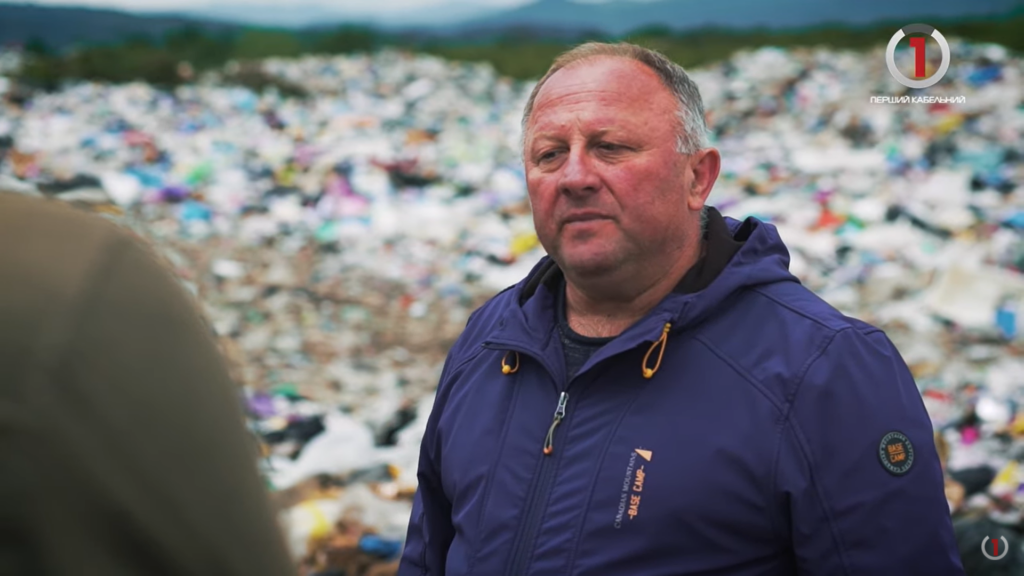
(602,309)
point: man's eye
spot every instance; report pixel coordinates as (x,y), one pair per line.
(609,147)
(548,156)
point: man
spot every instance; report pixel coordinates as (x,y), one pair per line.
(661,396)
(122,441)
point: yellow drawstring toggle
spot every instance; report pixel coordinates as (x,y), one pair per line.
(505,368)
(663,341)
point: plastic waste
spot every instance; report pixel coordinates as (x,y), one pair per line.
(345,446)
(338,244)
(309,521)
(380,547)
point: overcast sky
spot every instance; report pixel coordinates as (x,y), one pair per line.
(360,6)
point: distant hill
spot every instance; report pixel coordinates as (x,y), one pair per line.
(621,16)
(302,15)
(61,27)
(519,47)
(463,21)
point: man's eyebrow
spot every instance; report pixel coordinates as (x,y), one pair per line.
(601,133)
(543,136)
(541,139)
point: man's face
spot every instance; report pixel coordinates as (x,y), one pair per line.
(606,182)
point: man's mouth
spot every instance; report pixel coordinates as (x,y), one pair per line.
(583,217)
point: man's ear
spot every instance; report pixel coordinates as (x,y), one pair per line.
(704,167)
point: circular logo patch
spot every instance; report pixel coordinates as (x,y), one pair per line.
(896,453)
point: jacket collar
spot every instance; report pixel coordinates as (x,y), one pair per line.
(738,255)
(720,246)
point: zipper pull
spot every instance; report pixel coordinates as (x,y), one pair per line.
(549,441)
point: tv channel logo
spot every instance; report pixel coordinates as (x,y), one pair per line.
(993,552)
(918,43)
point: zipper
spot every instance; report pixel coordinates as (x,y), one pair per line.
(527,533)
(549,441)
(544,478)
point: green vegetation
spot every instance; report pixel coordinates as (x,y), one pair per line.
(520,53)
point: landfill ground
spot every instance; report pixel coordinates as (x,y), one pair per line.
(337,244)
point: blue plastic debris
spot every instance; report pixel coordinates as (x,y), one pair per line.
(1016,221)
(192,211)
(985,75)
(1006,320)
(380,547)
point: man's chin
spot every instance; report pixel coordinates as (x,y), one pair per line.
(589,265)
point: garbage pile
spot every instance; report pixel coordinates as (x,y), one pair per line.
(909,216)
(338,241)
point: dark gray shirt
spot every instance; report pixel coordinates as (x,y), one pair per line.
(576,347)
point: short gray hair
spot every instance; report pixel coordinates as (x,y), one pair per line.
(693,131)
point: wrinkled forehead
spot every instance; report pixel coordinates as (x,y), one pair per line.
(609,76)
(608,90)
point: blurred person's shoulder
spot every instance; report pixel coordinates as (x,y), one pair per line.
(54,247)
(52,256)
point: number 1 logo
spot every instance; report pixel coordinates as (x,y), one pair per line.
(918,44)
(995,554)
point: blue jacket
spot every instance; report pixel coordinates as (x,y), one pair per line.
(748,428)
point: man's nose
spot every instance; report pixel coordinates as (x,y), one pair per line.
(578,173)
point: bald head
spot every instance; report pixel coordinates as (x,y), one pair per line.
(628,96)
(689,108)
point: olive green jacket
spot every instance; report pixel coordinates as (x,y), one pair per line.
(123,449)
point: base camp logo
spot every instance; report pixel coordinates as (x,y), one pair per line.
(918,44)
(896,453)
(632,487)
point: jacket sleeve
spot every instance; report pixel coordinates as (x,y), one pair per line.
(139,453)
(858,472)
(430,530)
